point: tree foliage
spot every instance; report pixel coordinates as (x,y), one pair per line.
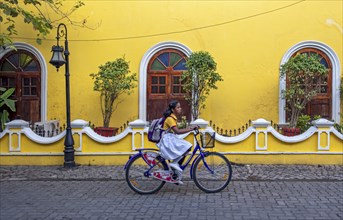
(305,75)
(39,17)
(112,80)
(199,79)
(6,101)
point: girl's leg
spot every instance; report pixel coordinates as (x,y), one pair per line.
(184,156)
(174,164)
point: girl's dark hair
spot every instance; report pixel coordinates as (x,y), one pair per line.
(171,106)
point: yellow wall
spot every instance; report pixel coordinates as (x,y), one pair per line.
(246,38)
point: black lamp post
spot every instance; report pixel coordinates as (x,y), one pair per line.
(57,60)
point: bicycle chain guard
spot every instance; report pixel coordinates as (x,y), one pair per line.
(152,158)
(165,175)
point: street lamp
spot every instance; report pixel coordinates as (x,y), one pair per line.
(57,60)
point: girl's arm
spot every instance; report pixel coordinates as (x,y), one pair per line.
(183,130)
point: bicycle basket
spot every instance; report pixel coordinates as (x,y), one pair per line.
(207,139)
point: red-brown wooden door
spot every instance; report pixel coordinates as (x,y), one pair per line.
(21,70)
(164,83)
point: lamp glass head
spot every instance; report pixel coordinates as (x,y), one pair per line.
(57,58)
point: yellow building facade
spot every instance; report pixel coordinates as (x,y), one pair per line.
(249,40)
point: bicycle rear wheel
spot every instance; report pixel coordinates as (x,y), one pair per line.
(137,178)
(214,178)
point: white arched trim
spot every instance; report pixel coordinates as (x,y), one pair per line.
(335,77)
(44,71)
(143,71)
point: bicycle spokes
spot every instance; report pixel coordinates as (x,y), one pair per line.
(212,173)
(139,175)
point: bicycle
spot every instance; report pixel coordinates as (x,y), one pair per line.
(146,172)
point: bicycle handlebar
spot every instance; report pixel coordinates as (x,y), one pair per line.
(196,131)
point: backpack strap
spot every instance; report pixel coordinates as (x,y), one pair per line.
(172,117)
(168,130)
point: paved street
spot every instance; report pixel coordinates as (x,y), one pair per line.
(297,192)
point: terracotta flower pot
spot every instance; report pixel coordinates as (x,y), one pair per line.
(106,132)
(291,131)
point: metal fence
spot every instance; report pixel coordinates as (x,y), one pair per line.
(239,130)
(39,130)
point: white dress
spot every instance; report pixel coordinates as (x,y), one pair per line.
(172,147)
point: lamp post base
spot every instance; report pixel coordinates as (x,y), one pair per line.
(69,161)
(69,164)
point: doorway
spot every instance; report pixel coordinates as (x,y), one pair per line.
(164,83)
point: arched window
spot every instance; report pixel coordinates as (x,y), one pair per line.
(164,82)
(20,69)
(327,102)
(321,103)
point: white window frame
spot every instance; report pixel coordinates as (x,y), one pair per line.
(336,78)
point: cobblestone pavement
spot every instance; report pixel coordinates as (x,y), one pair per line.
(100,192)
(240,172)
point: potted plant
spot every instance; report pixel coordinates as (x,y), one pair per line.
(304,122)
(5,100)
(199,79)
(112,80)
(182,123)
(304,76)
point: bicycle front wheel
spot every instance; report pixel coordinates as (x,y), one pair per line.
(139,180)
(213,173)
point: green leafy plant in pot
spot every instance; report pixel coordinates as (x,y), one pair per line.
(304,122)
(6,101)
(199,79)
(304,76)
(113,79)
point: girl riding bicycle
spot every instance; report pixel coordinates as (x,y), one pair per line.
(171,146)
(148,170)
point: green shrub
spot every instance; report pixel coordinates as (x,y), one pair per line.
(339,127)
(199,79)
(305,75)
(304,122)
(5,100)
(113,79)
